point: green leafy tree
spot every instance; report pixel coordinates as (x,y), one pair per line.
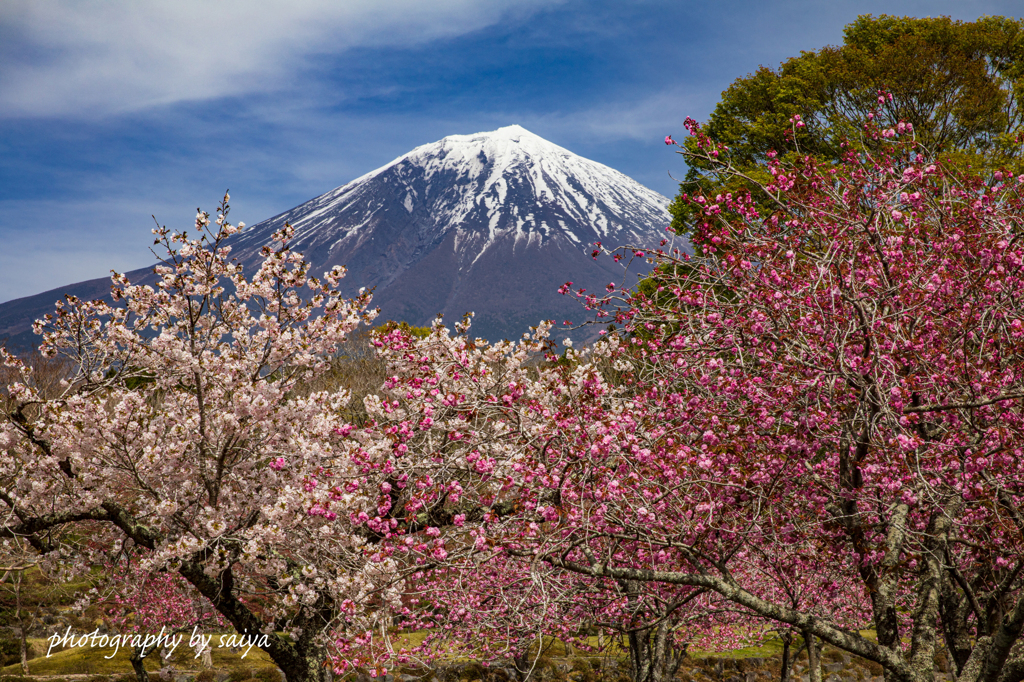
(959,84)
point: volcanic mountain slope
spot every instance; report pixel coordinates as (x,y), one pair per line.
(491,223)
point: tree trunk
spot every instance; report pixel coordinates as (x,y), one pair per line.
(813,658)
(640,658)
(787,641)
(24,651)
(304,660)
(522,665)
(311,665)
(653,654)
(525,663)
(137,657)
(22,642)
(954,610)
(667,656)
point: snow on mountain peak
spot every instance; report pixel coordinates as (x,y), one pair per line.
(485,186)
(470,209)
(493,222)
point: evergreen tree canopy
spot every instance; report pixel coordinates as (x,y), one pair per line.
(959,84)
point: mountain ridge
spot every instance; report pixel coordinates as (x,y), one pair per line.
(490,222)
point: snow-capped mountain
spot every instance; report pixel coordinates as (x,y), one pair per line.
(491,223)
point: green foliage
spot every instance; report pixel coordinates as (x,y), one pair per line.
(357,368)
(133,377)
(267,673)
(472,671)
(93,661)
(10,652)
(960,84)
(587,670)
(143,379)
(416,332)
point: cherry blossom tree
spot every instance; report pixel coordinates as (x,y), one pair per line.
(480,468)
(817,423)
(817,419)
(184,439)
(14,563)
(146,603)
(840,371)
(510,608)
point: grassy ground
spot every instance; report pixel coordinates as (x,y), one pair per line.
(612,649)
(87,661)
(97,661)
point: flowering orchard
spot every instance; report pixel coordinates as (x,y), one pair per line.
(843,381)
(183,441)
(815,425)
(817,422)
(477,443)
(146,603)
(500,461)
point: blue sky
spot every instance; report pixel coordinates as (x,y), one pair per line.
(114,111)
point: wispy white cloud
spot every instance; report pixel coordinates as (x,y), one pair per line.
(246,96)
(642,119)
(60,57)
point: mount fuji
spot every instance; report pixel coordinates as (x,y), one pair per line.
(491,223)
